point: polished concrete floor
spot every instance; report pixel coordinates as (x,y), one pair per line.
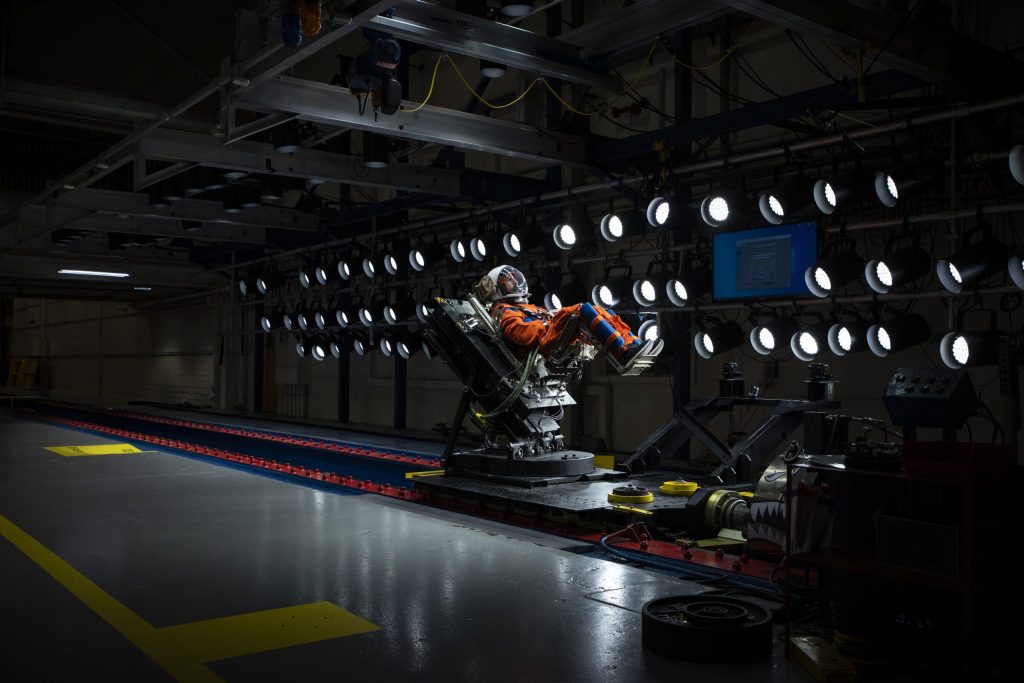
(155,566)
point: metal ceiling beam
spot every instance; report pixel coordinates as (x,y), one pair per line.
(256,157)
(772,111)
(638,24)
(133,204)
(439,27)
(337,106)
(929,52)
(75,219)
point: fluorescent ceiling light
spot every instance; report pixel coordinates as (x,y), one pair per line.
(143,289)
(92,273)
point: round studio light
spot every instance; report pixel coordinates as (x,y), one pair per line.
(844,339)
(830,195)
(344,272)
(648,331)
(708,344)
(391,265)
(318,352)
(605,296)
(565,236)
(955,274)
(335,349)
(341,317)
(478,248)
(304,279)
(366,317)
(287,321)
(719,339)
(808,344)
(265,324)
(718,209)
(676,292)
(321,274)
(360,346)
(961,350)
(822,278)
(320,320)
(646,293)
(964,349)
(554,303)
(417,261)
(386,346)
(615,227)
(776,206)
(658,212)
(890,185)
(404,350)
(766,338)
(1015,266)
(369,267)
(510,241)
(884,340)
(458,250)
(883,274)
(422,313)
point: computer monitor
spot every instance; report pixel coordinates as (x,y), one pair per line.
(763,262)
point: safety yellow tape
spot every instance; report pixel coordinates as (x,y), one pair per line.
(182,650)
(97,449)
(423,473)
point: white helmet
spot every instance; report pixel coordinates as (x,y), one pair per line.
(503,282)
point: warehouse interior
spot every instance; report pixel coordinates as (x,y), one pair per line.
(264,412)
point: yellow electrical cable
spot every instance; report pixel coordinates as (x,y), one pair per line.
(608,104)
(430,90)
(725,55)
(484,102)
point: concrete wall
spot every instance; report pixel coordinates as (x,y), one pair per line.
(111,353)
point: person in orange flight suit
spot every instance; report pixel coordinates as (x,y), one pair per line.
(526,326)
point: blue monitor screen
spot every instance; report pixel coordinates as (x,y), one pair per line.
(764,262)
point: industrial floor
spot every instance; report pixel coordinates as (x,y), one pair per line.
(157,566)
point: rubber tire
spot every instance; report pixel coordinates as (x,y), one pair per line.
(707,643)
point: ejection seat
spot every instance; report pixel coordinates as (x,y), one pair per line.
(518,403)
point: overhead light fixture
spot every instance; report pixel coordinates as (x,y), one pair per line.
(371,264)
(344,270)
(230,201)
(322,318)
(648,330)
(269,282)
(156,198)
(712,341)
(767,339)
(457,249)
(831,274)
(92,273)
(1015,266)
(366,316)
(569,294)
(143,288)
(386,345)
(491,69)
(521,239)
(286,137)
(336,345)
(376,150)
(783,202)
(612,292)
(659,212)
(345,314)
(723,208)
(899,183)
(422,313)
(272,190)
(304,317)
(306,275)
(897,269)
(973,265)
(570,235)
(403,309)
(287,321)
(420,258)
(848,337)
(272,321)
(843,190)
(325,273)
(319,349)
(649,290)
(968,349)
(303,347)
(617,226)
(360,343)
(392,266)
(516,8)
(480,247)
(808,343)
(1017,163)
(895,335)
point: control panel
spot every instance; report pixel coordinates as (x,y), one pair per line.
(930,397)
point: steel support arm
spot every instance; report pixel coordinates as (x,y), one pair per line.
(256,157)
(134,204)
(439,27)
(334,105)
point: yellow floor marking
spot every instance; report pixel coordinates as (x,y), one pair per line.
(424,473)
(97,449)
(182,650)
(245,634)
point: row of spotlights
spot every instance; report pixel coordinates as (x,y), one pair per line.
(808,343)
(388,345)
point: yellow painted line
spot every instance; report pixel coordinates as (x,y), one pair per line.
(424,473)
(96,449)
(246,634)
(182,650)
